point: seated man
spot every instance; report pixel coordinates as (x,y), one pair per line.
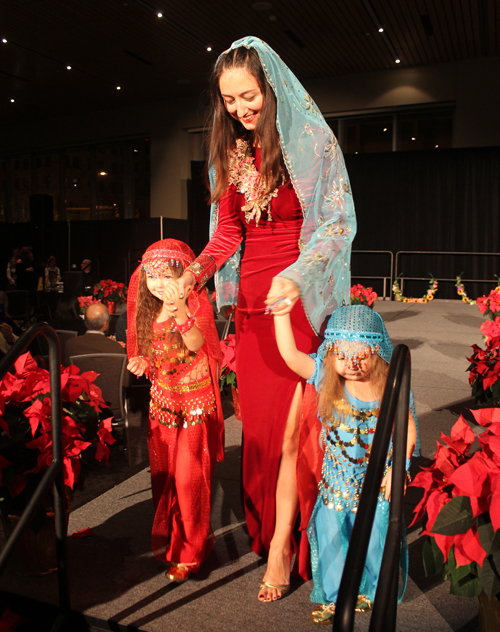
(94,340)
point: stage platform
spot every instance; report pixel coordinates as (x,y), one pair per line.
(117,584)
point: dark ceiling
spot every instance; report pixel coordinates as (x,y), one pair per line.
(110,43)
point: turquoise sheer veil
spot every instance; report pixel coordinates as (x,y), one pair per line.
(316,166)
(360,324)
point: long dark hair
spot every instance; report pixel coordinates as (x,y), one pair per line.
(225,129)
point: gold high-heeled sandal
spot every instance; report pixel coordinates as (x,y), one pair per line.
(284,588)
(177,573)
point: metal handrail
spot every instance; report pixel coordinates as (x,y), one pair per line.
(55,472)
(439,252)
(395,405)
(383,278)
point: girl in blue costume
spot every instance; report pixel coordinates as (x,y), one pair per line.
(349,373)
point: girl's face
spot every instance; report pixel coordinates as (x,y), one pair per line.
(360,372)
(242,96)
(158,282)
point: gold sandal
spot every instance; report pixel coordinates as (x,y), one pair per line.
(284,588)
(323,614)
(177,573)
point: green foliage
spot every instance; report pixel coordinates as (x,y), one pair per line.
(454,518)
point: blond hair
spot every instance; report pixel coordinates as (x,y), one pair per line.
(331,392)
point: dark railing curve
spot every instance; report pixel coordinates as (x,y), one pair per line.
(55,473)
(394,405)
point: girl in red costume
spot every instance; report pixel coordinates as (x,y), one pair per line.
(175,343)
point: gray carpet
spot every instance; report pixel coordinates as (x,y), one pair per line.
(116,581)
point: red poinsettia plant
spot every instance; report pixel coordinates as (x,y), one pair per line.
(108,290)
(228,371)
(461,502)
(85,301)
(26,433)
(484,363)
(361,295)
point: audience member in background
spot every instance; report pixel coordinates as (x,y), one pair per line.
(52,275)
(7,337)
(67,315)
(11,273)
(121,328)
(89,276)
(5,316)
(94,340)
(27,276)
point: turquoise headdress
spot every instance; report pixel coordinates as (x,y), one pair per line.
(316,166)
(354,332)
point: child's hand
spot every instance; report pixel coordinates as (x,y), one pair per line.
(137,366)
(387,484)
(172,302)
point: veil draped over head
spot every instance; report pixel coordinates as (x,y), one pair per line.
(316,167)
(158,255)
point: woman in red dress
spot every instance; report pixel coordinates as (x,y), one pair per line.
(282,224)
(175,343)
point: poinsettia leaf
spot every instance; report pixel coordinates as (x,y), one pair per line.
(489,578)
(457,573)
(432,558)
(486,533)
(469,586)
(455,517)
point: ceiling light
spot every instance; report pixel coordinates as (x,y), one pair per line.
(103,173)
(381,30)
(209,49)
(136,151)
(118,87)
(436,146)
(68,67)
(413,138)
(4,40)
(398,61)
(159,14)
(12,100)
(385,129)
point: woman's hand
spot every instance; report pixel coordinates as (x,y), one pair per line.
(386,486)
(282,296)
(137,365)
(186,284)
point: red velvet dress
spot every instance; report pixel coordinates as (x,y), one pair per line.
(265,384)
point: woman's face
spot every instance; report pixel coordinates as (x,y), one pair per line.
(242,96)
(157,284)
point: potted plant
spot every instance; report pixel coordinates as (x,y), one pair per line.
(111,293)
(461,503)
(85,301)
(361,295)
(228,370)
(484,363)
(26,445)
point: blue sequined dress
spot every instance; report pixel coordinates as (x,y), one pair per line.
(346,437)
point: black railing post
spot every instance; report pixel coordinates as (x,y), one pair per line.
(399,374)
(55,472)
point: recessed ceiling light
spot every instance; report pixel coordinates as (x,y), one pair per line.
(398,61)
(413,138)
(118,87)
(68,67)
(159,14)
(381,30)
(103,173)
(12,100)
(209,49)
(4,40)
(385,129)
(436,146)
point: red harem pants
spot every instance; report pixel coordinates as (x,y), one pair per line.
(182,466)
